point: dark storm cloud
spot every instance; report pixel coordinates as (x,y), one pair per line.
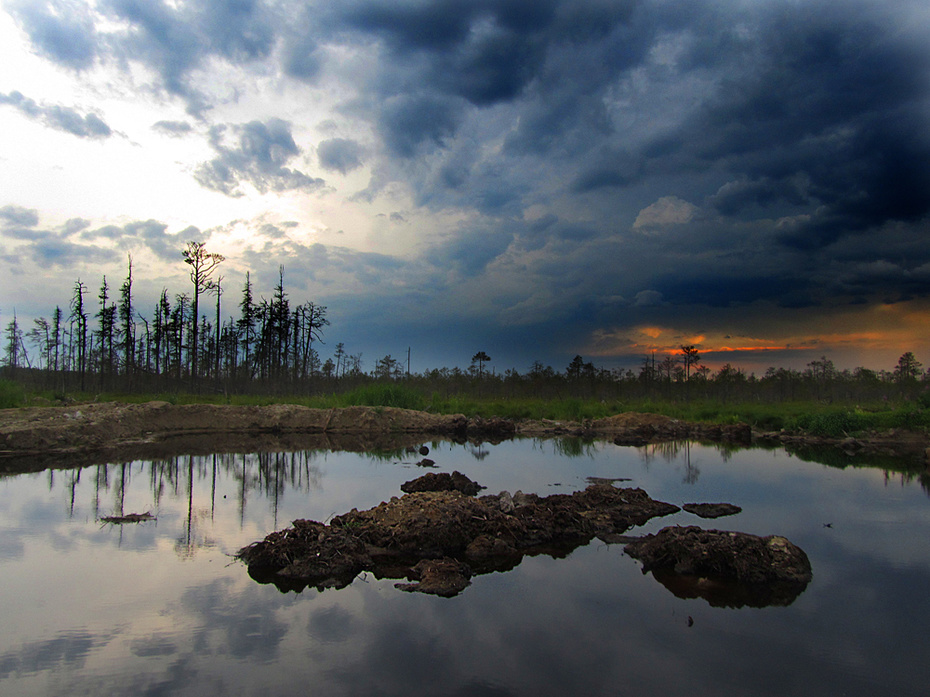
(771,152)
(827,111)
(409,120)
(59,117)
(727,291)
(472,247)
(606,173)
(258,154)
(301,57)
(755,196)
(485,51)
(340,155)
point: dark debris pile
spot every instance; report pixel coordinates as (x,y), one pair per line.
(487,533)
(438,538)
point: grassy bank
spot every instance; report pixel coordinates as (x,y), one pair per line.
(834,420)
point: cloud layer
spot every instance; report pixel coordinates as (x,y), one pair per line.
(61,118)
(567,170)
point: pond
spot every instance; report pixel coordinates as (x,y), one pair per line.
(159,607)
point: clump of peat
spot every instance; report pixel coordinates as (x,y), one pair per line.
(438,538)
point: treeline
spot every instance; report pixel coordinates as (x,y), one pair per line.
(181,344)
(675,378)
(271,346)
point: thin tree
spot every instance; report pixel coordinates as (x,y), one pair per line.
(41,336)
(145,345)
(313,319)
(106,325)
(179,317)
(56,333)
(128,330)
(14,344)
(689,357)
(340,355)
(246,323)
(280,326)
(218,289)
(79,316)
(161,335)
(203,264)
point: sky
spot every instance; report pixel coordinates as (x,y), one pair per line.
(536,179)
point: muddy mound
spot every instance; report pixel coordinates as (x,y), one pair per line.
(442,481)
(759,570)
(600,510)
(488,533)
(439,540)
(711,510)
(337,556)
(424,524)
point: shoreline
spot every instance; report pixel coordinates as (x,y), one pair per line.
(36,438)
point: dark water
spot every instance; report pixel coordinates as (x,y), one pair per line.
(159,608)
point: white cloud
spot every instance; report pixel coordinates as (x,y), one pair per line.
(668,210)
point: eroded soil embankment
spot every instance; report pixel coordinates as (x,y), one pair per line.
(36,438)
(112,424)
(40,437)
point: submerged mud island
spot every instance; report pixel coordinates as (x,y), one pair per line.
(439,534)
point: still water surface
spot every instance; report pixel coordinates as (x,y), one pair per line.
(159,608)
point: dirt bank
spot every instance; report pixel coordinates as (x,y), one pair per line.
(36,438)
